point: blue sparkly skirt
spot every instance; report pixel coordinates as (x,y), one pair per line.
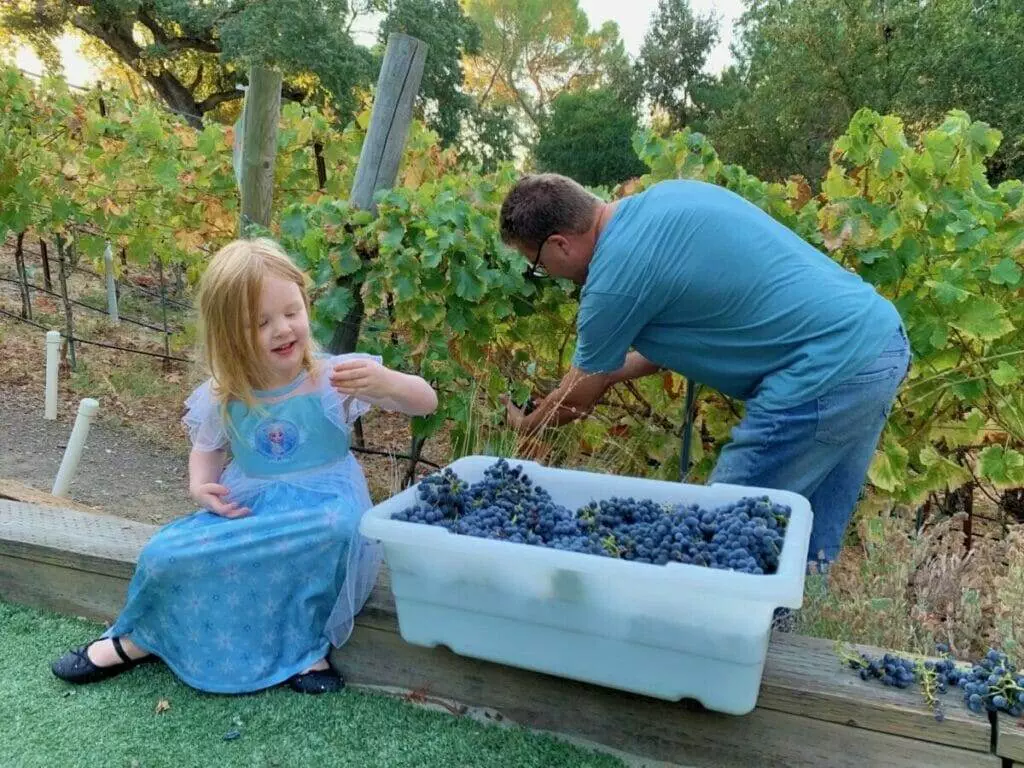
(238,605)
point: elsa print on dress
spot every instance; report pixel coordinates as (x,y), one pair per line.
(276,439)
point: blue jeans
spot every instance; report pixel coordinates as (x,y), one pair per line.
(820,449)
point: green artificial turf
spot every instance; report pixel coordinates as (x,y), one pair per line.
(47,723)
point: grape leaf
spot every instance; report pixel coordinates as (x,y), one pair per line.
(982,318)
(1005,375)
(1006,272)
(1003,467)
(889,466)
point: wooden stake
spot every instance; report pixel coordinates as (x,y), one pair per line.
(397,88)
(68,315)
(19,262)
(259,147)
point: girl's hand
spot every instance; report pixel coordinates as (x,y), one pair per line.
(212,497)
(365,379)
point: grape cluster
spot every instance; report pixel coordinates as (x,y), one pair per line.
(989,685)
(745,536)
(891,670)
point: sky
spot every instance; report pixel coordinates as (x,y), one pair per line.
(632,17)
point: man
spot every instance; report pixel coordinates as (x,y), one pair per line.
(695,279)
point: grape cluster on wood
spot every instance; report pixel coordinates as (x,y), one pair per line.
(992,684)
(506,504)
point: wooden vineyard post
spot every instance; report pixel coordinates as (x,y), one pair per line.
(19,261)
(163,312)
(68,315)
(108,276)
(397,87)
(390,118)
(45,258)
(259,147)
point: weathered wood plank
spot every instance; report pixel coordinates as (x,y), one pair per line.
(259,146)
(803,677)
(1010,738)
(82,541)
(15,491)
(636,724)
(61,589)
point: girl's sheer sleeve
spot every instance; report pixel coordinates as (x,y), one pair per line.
(204,420)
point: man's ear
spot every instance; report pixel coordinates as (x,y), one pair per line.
(561,241)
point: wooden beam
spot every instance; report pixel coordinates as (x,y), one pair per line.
(397,87)
(12,490)
(259,147)
(810,711)
(636,724)
(1010,738)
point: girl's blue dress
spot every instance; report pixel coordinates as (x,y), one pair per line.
(237,605)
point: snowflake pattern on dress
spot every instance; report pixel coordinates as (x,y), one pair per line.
(238,605)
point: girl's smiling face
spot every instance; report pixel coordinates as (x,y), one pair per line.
(283,329)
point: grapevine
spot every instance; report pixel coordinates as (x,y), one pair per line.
(914,215)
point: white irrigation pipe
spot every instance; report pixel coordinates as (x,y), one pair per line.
(86,410)
(52,359)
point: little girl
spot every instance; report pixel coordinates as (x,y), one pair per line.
(252,590)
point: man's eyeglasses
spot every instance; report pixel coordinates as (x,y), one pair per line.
(538,270)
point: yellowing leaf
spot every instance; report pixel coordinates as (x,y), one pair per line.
(889,467)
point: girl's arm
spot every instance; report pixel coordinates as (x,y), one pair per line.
(374,383)
(204,468)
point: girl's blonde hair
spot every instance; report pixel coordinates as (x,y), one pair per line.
(229,310)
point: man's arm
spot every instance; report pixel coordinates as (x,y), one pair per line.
(636,367)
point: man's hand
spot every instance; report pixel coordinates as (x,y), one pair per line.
(514,415)
(574,398)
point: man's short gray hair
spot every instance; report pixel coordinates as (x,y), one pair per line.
(540,205)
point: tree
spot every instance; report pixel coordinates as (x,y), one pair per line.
(589,137)
(450,34)
(974,62)
(807,66)
(672,59)
(533,50)
(194,52)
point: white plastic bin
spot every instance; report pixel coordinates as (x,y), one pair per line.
(667,631)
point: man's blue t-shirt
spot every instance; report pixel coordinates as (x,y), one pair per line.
(702,282)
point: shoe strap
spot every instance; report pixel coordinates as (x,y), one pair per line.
(120,651)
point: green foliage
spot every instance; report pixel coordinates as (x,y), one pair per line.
(533,50)
(458,291)
(587,137)
(193,54)
(914,215)
(807,66)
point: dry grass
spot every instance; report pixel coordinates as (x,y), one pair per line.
(905,589)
